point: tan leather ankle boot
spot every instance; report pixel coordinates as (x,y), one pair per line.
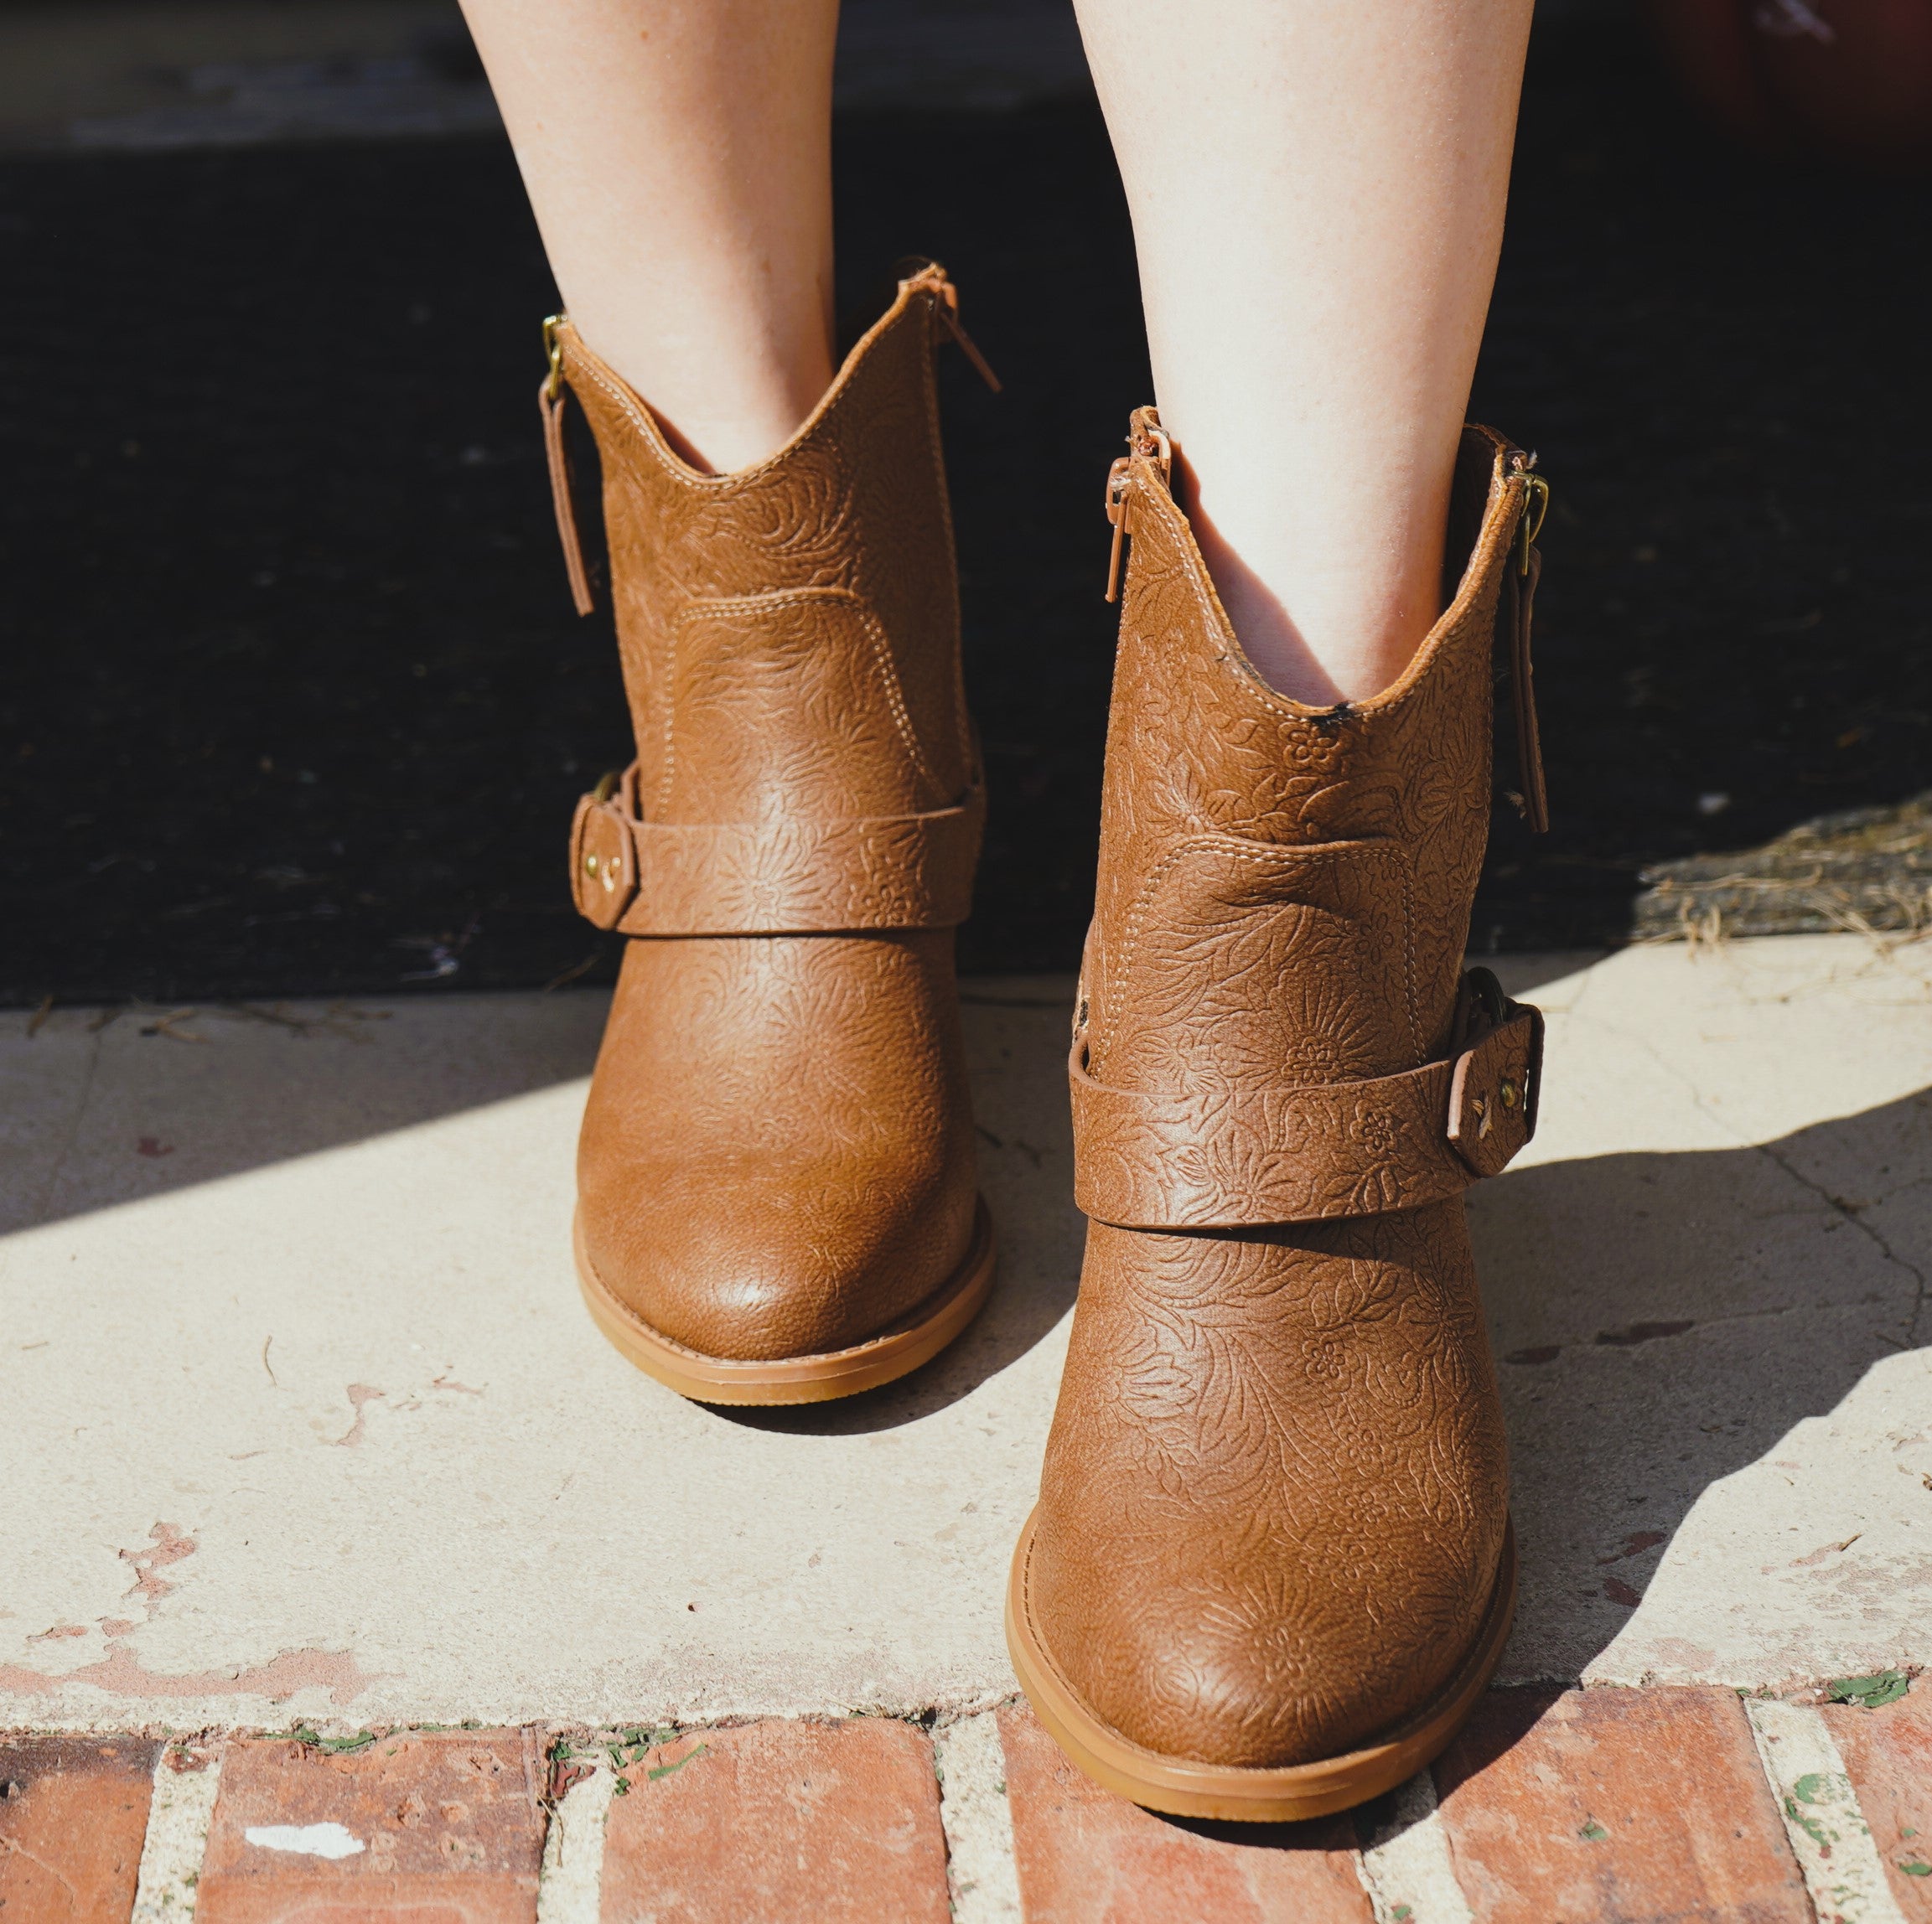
(1271,1564)
(776,1179)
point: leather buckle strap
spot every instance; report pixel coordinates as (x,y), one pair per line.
(771,878)
(1219,1157)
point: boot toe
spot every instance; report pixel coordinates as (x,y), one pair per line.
(760,1270)
(1277,1534)
(1258,1675)
(777,1154)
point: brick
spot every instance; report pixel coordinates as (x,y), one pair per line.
(1616,1806)
(780,1820)
(1086,1855)
(1887,1756)
(450,1823)
(72,1821)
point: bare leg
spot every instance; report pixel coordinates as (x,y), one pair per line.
(1317,188)
(678,154)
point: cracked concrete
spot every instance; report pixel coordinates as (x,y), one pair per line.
(292,1346)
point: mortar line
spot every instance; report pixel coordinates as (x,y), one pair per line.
(982,1875)
(1833,1844)
(180,1812)
(1407,1867)
(570,1881)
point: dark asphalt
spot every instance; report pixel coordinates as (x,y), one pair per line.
(293,702)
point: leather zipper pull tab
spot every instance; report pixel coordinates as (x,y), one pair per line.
(1148,439)
(949,314)
(918,272)
(1118,484)
(1523,578)
(549,399)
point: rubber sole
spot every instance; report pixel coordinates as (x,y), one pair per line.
(1240,1793)
(917,1338)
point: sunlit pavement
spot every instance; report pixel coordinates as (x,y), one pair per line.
(312,1434)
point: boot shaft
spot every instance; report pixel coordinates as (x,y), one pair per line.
(1283,888)
(789,632)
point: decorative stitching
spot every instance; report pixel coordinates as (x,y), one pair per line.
(1116,983)
(670,699)
(874,633)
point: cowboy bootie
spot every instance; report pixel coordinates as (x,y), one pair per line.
(775,1180)
(1271,1564)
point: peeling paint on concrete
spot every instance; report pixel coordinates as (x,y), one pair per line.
(122,1674)
(171,1545)
(360,1396)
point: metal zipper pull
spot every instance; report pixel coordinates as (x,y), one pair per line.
(1520,593)
(1149,440)
(1535,506)
(549,399)
(1118,482)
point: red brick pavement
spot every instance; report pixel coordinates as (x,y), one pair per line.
(72,1818)
(779,1821)
(1601,1806)
(1616,1807)
(449,1827)
(1085,1856)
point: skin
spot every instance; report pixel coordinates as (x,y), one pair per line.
(1317,189)
(678,154)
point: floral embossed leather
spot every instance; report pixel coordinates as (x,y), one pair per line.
(1269,1564)
(776,1175)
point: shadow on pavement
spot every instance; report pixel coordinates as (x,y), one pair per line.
(1662,1321)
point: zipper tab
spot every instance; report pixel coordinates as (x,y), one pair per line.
(946,304)
(1535,506)
(550,399)
(1148,440)
(1521,594)
(1118,483)
(553,352)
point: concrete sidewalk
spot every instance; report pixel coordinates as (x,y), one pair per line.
(308,1422)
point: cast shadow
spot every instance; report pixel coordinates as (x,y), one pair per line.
(1661,1321)
(121,1104)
